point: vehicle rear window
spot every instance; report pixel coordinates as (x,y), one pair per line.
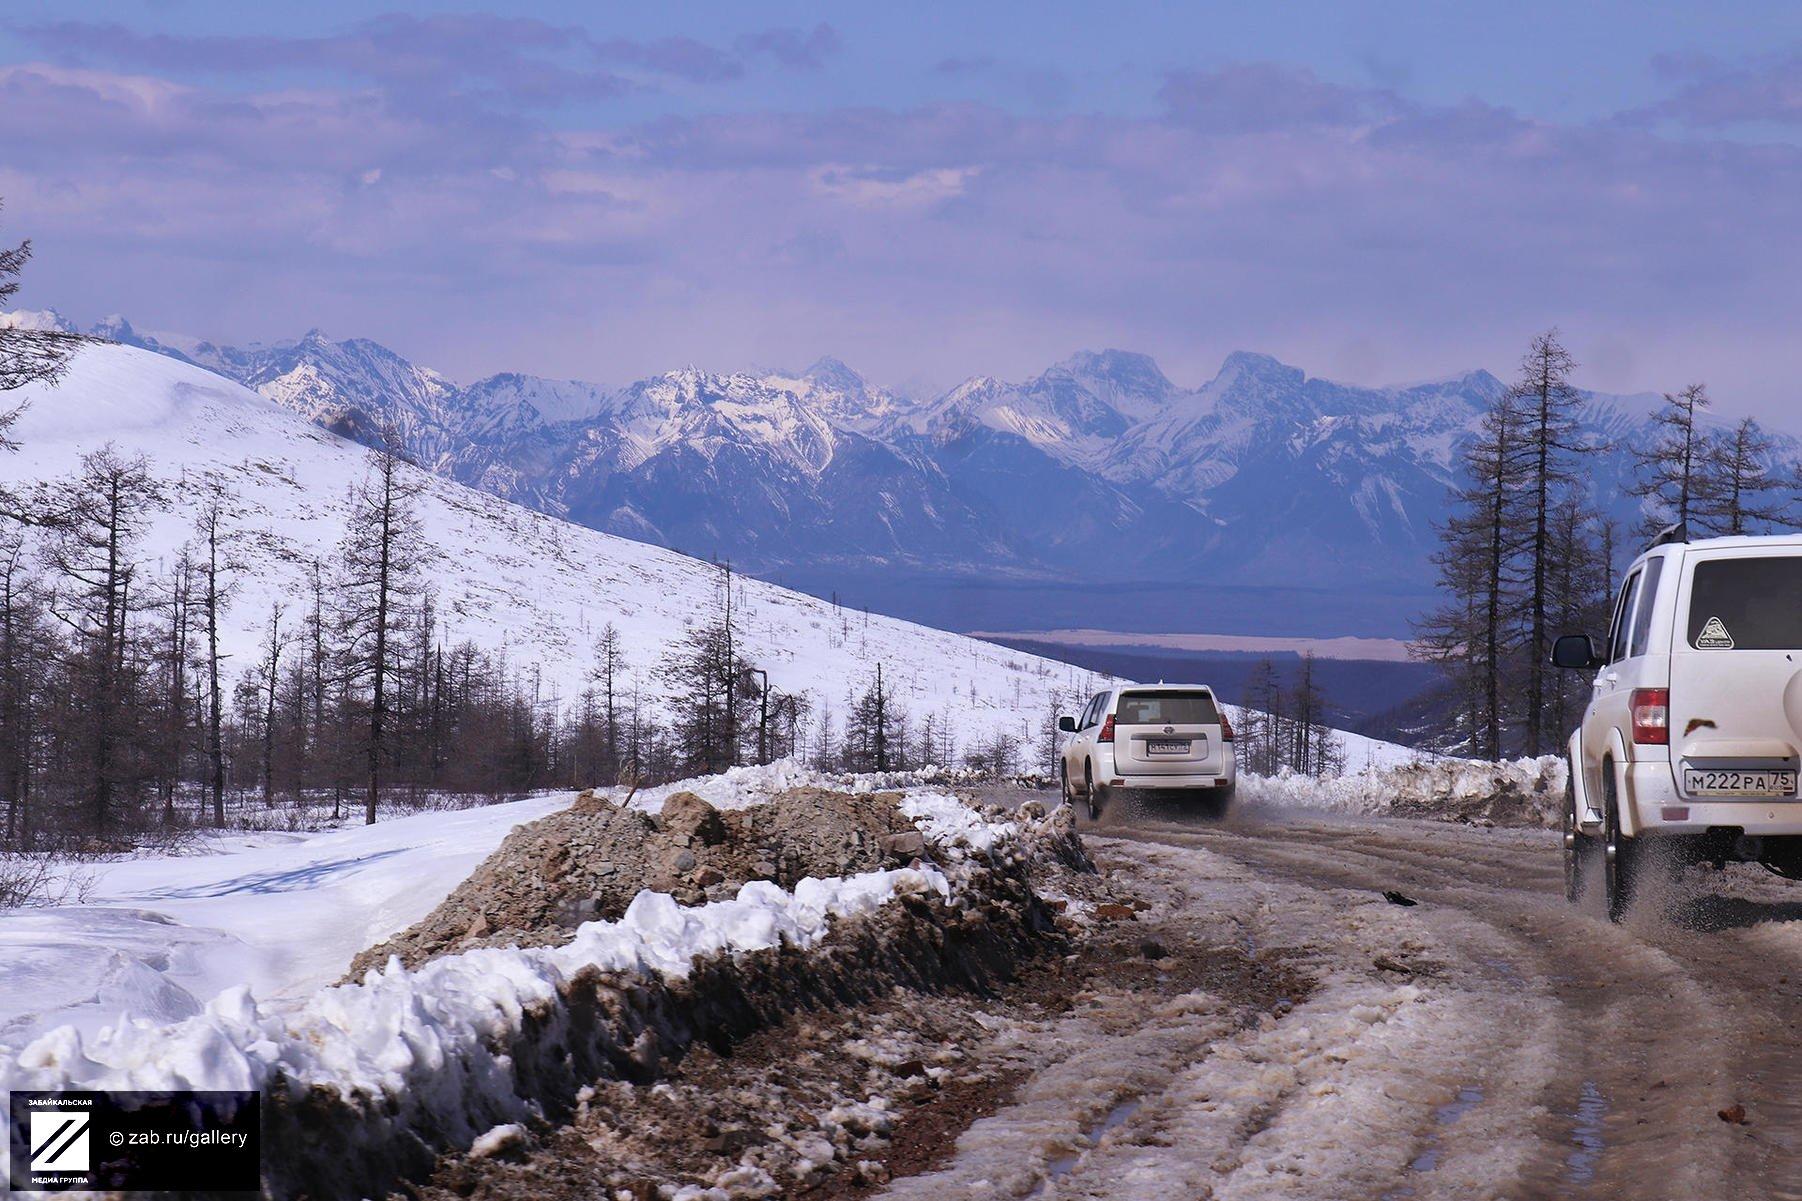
(1166,709)
(1746,604)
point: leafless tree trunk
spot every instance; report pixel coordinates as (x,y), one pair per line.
(383,557)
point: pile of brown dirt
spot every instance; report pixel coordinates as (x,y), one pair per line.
(588,862)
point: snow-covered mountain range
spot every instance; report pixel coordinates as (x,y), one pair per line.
(1099,464)
(507,578)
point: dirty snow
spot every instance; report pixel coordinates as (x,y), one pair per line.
(1423,786)
(1335,1096)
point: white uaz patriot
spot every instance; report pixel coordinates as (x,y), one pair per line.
(1689,746)
(1162,736)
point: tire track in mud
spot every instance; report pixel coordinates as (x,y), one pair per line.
(1655,1025)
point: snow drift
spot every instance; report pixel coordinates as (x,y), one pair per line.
(1519,792)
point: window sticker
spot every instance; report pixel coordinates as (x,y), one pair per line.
(1714,636)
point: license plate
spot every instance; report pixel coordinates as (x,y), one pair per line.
(1732,782)
(1167,746)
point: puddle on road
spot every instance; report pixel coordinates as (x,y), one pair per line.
(1447,1115)
(1062,1165)
(1586,1136)
(1444,1118)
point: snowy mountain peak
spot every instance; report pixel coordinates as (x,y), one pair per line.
(42,320)
(114,328)
(1124,369)
(833,373)
(1248,366)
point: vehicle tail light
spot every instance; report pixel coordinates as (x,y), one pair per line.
(1107,730)
(1226,727)
(1652,716)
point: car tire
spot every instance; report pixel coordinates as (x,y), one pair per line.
(1091,792)
(1063,779)
(1208,804)
(1620,854)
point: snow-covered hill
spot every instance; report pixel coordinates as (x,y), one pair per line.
(507,577)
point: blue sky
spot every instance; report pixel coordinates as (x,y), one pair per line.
(1374,192)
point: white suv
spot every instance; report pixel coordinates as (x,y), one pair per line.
(1693,730)
(1154,736)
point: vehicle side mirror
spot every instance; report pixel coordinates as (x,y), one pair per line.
(1576,651)
(1066,725)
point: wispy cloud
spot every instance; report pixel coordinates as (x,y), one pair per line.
(1259,206)
(803,50)
(516,59)
(1712,92)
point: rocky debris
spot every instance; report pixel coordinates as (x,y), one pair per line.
(589,861)
(910,844)
(1113,911)
(686,813)
(1051,838)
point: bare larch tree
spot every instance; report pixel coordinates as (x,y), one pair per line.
(1549,403)
(1670,470)
(1738,493)
(383,556)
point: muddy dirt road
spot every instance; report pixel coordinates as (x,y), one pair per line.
(1244,1014)
(1487,1041)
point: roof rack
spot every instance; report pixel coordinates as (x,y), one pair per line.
(1675,532)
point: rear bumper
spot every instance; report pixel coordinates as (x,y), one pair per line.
(1660,809)
(1153,783)
(1187,780)
(1109,775)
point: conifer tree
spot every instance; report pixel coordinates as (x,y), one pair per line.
(1738,493)
(1671,472)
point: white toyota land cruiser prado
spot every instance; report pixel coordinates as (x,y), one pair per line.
(1165,738)
(1689,746)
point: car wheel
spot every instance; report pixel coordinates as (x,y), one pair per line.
(1620,855)
(1063,779)
(1088,788)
